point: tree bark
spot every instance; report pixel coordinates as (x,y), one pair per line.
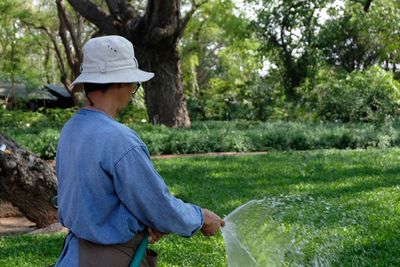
(367,5)
(66,28)
(28,182)
(8,210)
(155,36)
(165,100)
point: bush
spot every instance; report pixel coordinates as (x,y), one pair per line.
(39,133)
(372,95)
(135,111)
(36,131)
(44,144)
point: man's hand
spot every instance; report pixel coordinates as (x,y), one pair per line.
(154,236)
(212,222)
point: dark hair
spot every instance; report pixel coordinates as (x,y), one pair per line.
(90,87)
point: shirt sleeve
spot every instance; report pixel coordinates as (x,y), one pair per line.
(145,194)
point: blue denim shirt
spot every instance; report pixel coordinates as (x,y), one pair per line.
(108,189)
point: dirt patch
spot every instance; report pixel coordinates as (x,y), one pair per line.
(21,225)
(214,154)
(16,225)
(51,229)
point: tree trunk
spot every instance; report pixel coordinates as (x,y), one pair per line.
(28,182)
(367,5)
(164,96)
(155,36)
(8,210)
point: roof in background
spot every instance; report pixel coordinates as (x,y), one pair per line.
(42,94)
(49,92)
(58,89)
(19,89)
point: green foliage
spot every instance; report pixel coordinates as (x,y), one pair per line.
(251,60)
(219,62)
(372,95)
(287,31)
(39,133)
(297,37)
(353,39)
(135,111)
(341,207)
(22,47)
(36,131)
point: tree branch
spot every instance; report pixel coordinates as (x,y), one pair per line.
(114,8)
(58,52)
(96,15)
(367,5)
(53,41)
(183,22)
(161,20)
(122,11)
(127,10)
(62,31)
(151,16)
(67,22)
(157,34)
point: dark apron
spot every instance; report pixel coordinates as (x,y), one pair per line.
(120,255)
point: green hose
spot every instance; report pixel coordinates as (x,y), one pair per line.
(140,251)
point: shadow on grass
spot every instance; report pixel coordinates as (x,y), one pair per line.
(376,248)
(217,180)
(344,184)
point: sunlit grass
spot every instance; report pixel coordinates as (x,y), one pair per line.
(344,204)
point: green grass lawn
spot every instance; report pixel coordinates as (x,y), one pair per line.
(342,207)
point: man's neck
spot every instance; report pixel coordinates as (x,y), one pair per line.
(107,107)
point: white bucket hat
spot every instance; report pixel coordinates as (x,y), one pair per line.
(110,59)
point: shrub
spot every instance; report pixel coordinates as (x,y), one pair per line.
(39,133)
(372,95)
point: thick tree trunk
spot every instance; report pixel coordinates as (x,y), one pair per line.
(27,182)
(8,210)
(164,96)
(155,36)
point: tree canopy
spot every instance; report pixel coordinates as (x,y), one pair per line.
(236,59)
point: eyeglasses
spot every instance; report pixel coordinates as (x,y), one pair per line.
(138,85)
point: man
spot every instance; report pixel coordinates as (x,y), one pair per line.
(109,193)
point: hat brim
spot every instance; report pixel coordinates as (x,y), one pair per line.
(118,76)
